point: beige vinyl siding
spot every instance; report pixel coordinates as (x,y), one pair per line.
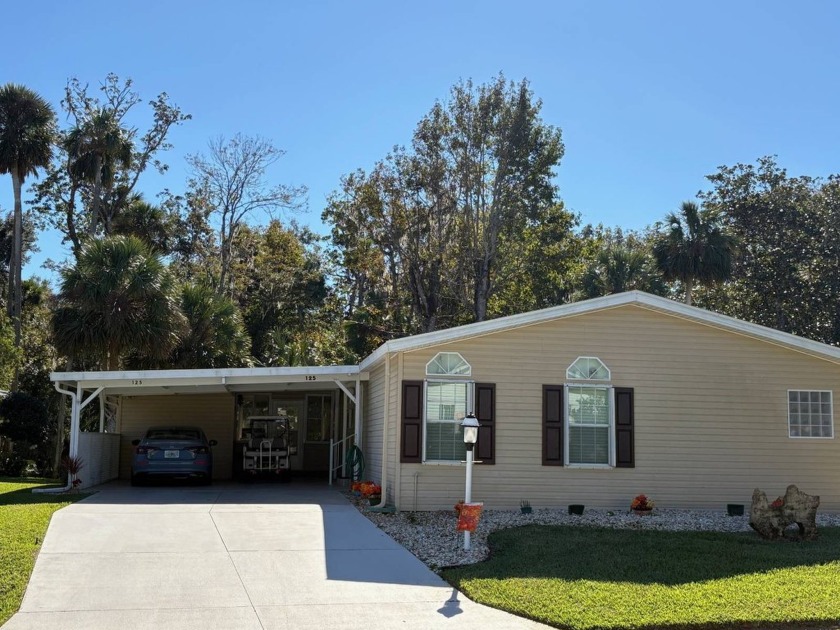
(711,421)
(395,413)
(373,423)
(214,413)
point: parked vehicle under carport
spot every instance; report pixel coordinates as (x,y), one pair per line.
(172,452)
(265,449)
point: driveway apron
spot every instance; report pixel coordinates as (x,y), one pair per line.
(267,557)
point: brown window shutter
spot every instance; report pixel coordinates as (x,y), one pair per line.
(624,422)
(485,411)
(552,425)
(411,447)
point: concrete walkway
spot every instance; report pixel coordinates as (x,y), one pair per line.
(268,557)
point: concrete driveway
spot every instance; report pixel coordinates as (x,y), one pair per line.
(266,557)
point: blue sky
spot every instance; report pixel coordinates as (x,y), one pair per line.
(651,96)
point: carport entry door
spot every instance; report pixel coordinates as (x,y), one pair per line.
(294,410)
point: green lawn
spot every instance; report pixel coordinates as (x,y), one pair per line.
(586,578)
(23,521)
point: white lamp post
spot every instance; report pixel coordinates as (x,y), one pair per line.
(470,424)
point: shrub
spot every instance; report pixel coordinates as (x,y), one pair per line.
(24,418)
(12,464)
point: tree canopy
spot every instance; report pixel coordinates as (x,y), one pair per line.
(464,223)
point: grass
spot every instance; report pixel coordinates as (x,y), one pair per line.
(23,521)
(587,578)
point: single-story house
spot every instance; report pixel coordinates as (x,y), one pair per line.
(592,402)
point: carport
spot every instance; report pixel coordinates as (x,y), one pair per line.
(128,399)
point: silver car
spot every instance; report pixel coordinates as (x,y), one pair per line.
(174,452)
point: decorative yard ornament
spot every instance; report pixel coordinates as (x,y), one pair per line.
(771,519)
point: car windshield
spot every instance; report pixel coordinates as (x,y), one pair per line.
(173,434)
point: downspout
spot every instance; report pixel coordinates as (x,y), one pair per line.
(386,422)
(73,403)
(75,413)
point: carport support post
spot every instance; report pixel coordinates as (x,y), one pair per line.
(357,413)
(75,414)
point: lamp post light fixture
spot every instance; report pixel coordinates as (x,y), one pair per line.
(470,425)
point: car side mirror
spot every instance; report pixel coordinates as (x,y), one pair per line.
(135,442)
(213,442)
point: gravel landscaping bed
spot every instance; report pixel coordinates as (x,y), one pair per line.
(431,536)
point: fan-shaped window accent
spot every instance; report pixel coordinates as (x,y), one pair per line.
(588,369)
(448,364)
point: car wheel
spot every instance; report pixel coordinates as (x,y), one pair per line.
(135,481)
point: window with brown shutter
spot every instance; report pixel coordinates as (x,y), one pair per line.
(554,426)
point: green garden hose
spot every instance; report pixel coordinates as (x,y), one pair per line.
(354,464)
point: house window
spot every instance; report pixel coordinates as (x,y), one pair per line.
(448,364)
(319,416)
(589,414)
(448,400)
(589,425)
(447,403)
(588,369)
(810,414)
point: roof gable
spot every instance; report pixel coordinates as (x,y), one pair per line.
(637,298)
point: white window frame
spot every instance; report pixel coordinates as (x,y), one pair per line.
(460,356)
(831,404)
(469,405)
(567,425)
(577,378)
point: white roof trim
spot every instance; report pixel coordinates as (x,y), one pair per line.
(227,376)
(638,298)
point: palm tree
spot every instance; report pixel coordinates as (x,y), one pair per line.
(119,298)
(618,268)
(148,222)
(27,129)
(97,149)
(215,335)
(695,249)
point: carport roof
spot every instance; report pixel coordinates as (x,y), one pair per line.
(157,382)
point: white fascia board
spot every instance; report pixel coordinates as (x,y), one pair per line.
(162,378)
(639,298)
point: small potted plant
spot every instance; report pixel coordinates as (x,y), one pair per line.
(372,492)
(642,504)
(576,508)
(525,506)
